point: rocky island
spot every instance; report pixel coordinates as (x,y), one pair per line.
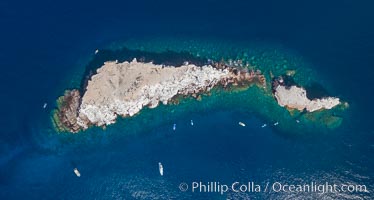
(123,89)
(141,79)
(294,97)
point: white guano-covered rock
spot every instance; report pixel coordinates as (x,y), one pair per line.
(295,98)
(125,88)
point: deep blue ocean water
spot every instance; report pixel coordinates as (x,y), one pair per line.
(43,43)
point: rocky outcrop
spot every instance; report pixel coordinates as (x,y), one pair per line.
(242,77)
(123,89)
(294,97)
(65,118)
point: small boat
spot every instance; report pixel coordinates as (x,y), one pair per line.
(77,172)
(276,123)
(96,51)
(264,125)
(297,121)
(191,122)
(174,127)
(161,169)
(241,124)
(45,105)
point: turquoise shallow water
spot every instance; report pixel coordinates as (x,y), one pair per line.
(46,46)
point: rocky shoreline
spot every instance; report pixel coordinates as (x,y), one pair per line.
(65,117)
(123,89)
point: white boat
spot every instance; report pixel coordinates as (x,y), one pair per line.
(264,125)
(241,124)
(297,121)
(45,105)
(161,169)
(276,123)
(77,172)
(174,127)
(96,51)
(191,122)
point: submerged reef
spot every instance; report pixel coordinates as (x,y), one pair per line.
(122,82)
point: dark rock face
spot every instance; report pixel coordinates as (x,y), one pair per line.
(283,80)
(67,111)
(242,78)
(276,82)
